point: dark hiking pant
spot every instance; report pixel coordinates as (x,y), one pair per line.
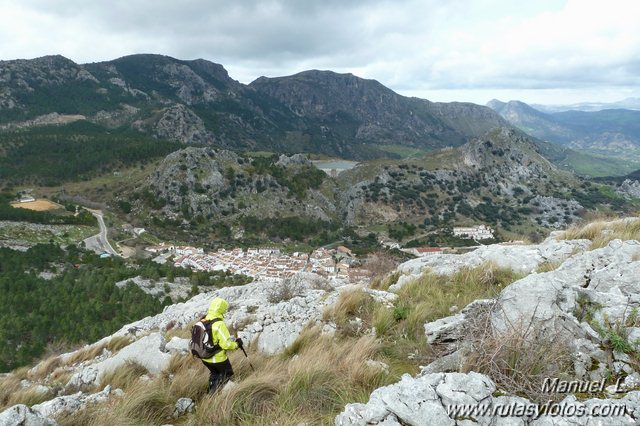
(219,374)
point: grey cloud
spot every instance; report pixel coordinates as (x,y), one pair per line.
(405,44)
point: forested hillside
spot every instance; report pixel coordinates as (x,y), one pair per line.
(51,155)
(61,297)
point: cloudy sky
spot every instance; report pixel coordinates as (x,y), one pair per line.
(540,51)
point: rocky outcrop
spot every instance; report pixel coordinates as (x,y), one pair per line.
(45,120)
(447,400)
(179,123)
(72,403)
(552,212)
(590,295)
(293,160)
(149,352)
(587,302)
(24,416)
(221,185)
(520,258)
(266,316)
(629,188)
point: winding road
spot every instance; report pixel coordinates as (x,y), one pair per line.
(99,243)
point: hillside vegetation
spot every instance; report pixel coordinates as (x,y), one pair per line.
(55,297)
(319,374)
(52,155)
(500,179)
(602,143)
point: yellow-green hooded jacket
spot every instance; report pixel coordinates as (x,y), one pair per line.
(219,331)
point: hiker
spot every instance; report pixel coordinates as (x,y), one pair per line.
(219,365)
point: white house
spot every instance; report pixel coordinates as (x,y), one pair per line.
(478,232)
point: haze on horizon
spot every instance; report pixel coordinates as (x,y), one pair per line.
(544,52)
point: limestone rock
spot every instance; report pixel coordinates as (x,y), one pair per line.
(24,416)
(419,401)
(293,160)
(145,352)
(276,337)
(451,329)
(181,124)
(519,258)
(629,188)
(183,405)
(426,400)
(177,344)
(70,403)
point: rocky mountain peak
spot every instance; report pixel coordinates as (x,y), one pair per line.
(324,93)
(496,105)
(509,153)
(312,111)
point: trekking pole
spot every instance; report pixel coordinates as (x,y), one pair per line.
(247,356)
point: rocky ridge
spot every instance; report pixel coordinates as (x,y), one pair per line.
(589,289)
(629,188)
(500,179)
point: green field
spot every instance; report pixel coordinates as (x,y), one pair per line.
(597,165)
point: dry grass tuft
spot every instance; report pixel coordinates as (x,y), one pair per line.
(183,333)
(92,351)
(602,232)
(12,392)
(310,387)
(432,296)
(85,354)
(45,368)
(124,376)
(383,283)
(9,386)
(144,404)
(548,266)
(518,359)
(352,303)
(307,337)
(118,342)
(190,378)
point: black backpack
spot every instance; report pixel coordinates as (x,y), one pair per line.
(201,340)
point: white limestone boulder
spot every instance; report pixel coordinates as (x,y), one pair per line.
(519,258)
(70,403)
(428,400)
(24,416)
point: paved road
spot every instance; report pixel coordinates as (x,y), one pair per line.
(99,243)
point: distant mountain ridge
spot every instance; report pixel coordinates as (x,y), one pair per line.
(197,102)
(608,132)
(628,103)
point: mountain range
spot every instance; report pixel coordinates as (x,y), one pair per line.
(613,132)
(204,136)
(628,103)
(196,102)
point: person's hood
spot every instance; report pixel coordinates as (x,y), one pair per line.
(217,309)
